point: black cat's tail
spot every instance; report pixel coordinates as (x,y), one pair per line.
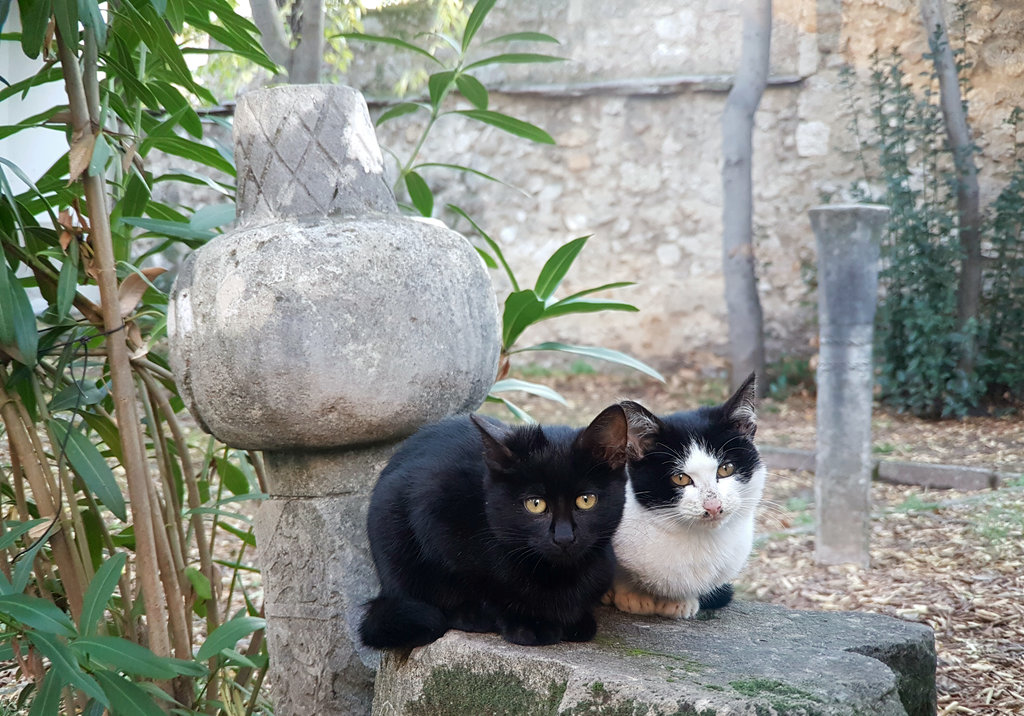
(717,597)
(401,622)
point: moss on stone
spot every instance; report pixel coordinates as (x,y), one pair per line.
(783,698)
(459,691)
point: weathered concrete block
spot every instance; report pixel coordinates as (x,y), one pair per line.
(749,658)
(777,458)
(942,477)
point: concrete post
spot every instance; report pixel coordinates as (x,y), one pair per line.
(848,240)
(323,330)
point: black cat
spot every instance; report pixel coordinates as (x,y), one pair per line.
(481,526)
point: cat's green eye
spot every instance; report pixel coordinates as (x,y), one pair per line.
(726,469)
(587,501)
(682,479)
(535,505)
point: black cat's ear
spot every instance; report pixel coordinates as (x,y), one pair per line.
(606,439)
(496,453)
(740,409)
(644,427)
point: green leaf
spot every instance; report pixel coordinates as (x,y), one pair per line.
(476,19)
(11,534)
(237,658)
(23,569)
(18,335)
(527,387)
(89,465)
(488,259)
(188,149)
(514,58)
(100,590)
(470,170)
(47,698)
(232,477)
(125,697)
(64,662)
(438,86)
(394,41)
(508,124)
(175,103)
(89,12)
(512,408)
(419,192)
(227,635)
(490,242)
(36,613)
(596,352)
(522,309)
(212,216)
(219,512)
(473,90)
(585,305)
(604,287)
(199,583)
(131,658)
(67,282)
(524,37)
(399,110)
(78,395)
(66,12)
(100,155)
(35,16)
(557,266)
(246,536)
(177,229)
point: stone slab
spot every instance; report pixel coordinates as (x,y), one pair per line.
(943,477)
(749,658)
(776,458)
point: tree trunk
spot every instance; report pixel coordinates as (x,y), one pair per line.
(958,134)
(266,17)
(308,55)
(746,329)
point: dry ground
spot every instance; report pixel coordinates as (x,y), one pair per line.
(952,560)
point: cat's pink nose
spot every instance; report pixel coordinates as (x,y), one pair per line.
(712,508)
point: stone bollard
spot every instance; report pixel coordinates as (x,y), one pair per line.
(323,330)
(848,240)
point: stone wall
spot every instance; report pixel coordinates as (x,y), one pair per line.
(635,112)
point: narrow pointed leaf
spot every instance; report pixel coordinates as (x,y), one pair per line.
(66,12)
(557,266)
(212,216)
(419,192)
(585,305)
(438,86)
(36,613)
(227,635)
(177,229)
(125,697)
(512,408)
(399,110)
(470,170)
(46,702)
(78,395)
(23,569)
(199,583)
(514,58)
(64,662)
(18,335)
(100,590)
(35,16)
(394,41)
(67,282)
(476,19)
(11,534)
(89,465)
(131,658)
(537,389)
(232,477)
(524,37)
(596,352)
(473,90)
(509,124)
(89,12)
(522,308)
(604,287)
(100,155)
(488,259)
(491,243)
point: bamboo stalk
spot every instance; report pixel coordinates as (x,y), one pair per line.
(123,388)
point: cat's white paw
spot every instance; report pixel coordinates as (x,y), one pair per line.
(634,602)
(691,605)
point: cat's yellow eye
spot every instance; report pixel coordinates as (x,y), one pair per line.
(587,501)
(682,479)
(726,469)
(535,505)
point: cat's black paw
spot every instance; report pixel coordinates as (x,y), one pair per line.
(532,634)
(582,630)
(716,598)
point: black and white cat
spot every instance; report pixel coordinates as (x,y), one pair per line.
(480,526)
(695,481)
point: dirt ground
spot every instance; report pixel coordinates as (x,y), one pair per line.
(952,560)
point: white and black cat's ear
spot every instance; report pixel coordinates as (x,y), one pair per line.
(741,409)
(495,435)
(644,427)
(606,439)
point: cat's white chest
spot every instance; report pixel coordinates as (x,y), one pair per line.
(672,560)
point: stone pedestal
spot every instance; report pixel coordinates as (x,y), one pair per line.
(848,240)
(323,330)
(748,658)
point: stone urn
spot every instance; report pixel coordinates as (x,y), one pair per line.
(322,330)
